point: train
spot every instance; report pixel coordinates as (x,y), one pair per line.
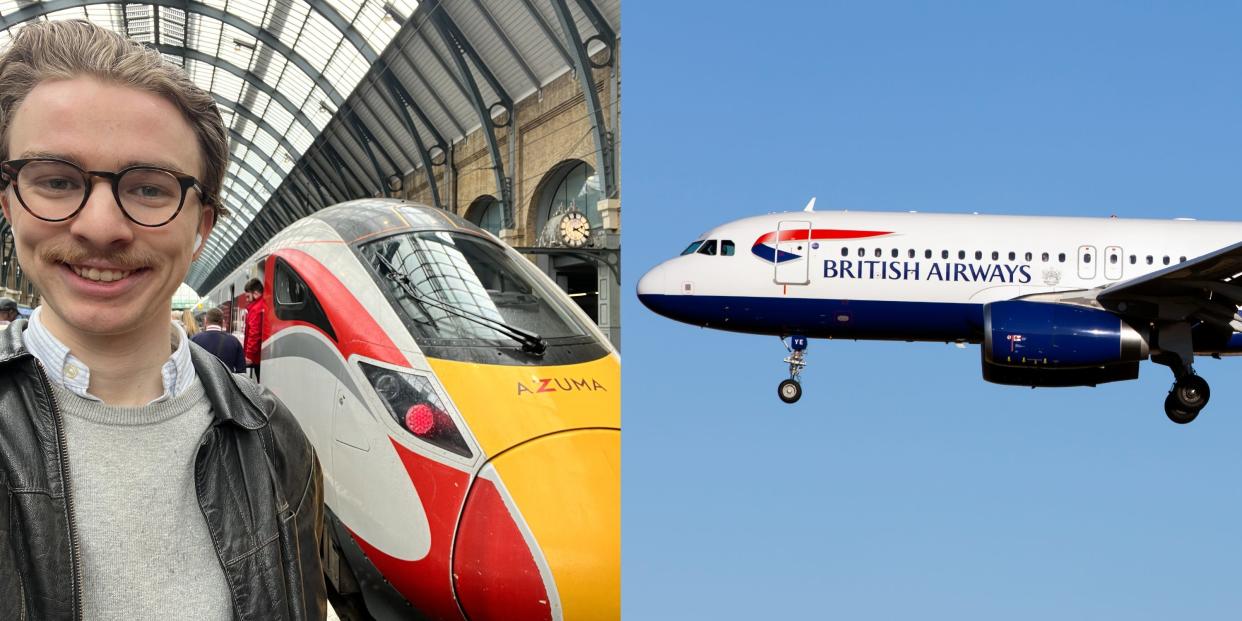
(465,411)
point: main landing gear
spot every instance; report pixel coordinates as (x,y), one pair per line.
(1190,392)
(790,390)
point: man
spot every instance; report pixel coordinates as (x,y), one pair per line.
(214,339)
(139,478)
(8,311)
(254,324)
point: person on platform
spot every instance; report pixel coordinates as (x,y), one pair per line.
(254,325)
(8,311)
(139,478)
(188,322)
(222,344)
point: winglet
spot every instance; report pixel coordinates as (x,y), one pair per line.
(810,206)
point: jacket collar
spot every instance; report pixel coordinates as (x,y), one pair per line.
(234,399)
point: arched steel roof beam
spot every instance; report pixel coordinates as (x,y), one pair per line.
(333,186)
(383,127)
(399,94)
(461,49)
(242,110)
(346,27)
(334,156)
(448,112)
(364,137)
(601,25)
(586,78)
(250,77)
(323,191)
(40,9)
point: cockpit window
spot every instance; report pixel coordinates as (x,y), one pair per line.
(708,247)
(692,247)
(726,248)
(457,292)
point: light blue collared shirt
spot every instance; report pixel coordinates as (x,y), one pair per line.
(67,370)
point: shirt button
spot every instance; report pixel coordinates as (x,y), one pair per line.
(71,371)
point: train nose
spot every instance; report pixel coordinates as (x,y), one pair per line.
(553,540)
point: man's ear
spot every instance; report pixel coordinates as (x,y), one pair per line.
(206,222)
(4,205)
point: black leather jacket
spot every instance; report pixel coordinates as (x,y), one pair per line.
(258,482)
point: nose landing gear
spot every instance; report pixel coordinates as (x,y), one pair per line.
(790,390)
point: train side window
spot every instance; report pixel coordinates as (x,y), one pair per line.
(726,248)
(294,300)
(708,247)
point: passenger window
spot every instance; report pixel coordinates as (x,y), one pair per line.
(911,253)
(1181,259)
(726,248)
(1028,256)
(1044,257)
(708,248)
(1012,256)
(691,248)
(845,252)
(1166,259)
(944,254)
(978,255)
(996,255)
(294,301)
(895,252)
(1149,261)
(862,252)
(1061,258)
(1112,259)
(926,254)
(878,253)
(1133,259)
(1086,257)
(961,255)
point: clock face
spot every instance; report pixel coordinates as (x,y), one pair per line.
(575,230)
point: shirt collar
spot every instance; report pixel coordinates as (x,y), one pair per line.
(68,371)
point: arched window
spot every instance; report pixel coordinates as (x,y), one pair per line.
(487,213)
(578,190)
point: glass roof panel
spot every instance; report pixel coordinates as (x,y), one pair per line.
(346,67)
(218,4)
(236,47)
(294,85)
(250,11)
(227,85)
(317,41)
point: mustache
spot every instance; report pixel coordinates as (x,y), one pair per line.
(126,259)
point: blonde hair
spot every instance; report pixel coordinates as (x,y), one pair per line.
(187,320)
(62,50)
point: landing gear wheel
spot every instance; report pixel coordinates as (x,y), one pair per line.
(1176,412)
(1191,392)
(790,391)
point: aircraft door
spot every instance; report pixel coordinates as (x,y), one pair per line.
(1113,261)
(793,250)
(1086,262)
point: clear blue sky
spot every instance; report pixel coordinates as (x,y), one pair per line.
(903,486)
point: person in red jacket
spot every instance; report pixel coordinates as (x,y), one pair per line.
(254,325)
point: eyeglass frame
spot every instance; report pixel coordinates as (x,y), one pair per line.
(9,170)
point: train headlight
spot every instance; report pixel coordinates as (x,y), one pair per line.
(414,403)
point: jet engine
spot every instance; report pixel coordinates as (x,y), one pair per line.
(1050,344)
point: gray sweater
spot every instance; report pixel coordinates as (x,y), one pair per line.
(145,549)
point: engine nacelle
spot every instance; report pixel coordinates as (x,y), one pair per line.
(1049,344)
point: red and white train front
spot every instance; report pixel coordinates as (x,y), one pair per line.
(465,411)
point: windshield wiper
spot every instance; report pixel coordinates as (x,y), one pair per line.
(531,342)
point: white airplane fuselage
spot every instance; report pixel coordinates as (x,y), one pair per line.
(906,276)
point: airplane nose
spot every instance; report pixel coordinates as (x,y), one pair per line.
(652,283)
(564,492)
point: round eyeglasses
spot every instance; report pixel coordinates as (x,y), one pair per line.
(55,190)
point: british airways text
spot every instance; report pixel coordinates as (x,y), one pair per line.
(913,270)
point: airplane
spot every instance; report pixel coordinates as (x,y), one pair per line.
(1053,301)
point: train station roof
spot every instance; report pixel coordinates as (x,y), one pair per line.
(332,100)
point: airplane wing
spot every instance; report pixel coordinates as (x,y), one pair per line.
(1205,288)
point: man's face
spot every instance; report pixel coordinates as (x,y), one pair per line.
(8,315)
(103,126)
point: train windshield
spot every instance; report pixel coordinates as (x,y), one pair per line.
(457,291)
